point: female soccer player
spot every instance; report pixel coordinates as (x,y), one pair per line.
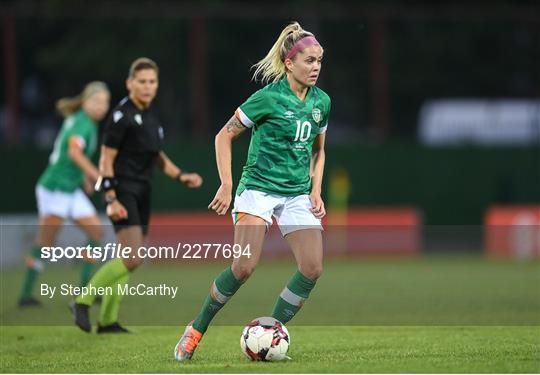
(58,191)
(131,147)
(288,118)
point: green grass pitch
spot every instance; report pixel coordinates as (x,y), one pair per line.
(429,314)
(314,349)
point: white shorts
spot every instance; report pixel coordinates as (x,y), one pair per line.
(291,213)
(74,205)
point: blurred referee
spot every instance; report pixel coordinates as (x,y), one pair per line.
(131,147)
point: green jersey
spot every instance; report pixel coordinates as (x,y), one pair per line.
(284,128)
(62,173)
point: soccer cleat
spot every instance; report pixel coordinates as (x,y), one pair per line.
(112,328)
(80,313)
(30,302)
(187,344)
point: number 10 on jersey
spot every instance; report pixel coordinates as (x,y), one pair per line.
(303,131)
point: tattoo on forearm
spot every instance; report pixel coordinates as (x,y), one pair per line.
(233,125)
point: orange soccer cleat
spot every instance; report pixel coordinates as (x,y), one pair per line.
(187,344)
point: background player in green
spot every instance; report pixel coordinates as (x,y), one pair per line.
(132,147)
(58,191)
(282,177)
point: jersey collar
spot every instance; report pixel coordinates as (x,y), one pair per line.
(285,83)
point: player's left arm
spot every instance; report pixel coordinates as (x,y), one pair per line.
(88,185)
(317,169)
(192,180)
(76,145)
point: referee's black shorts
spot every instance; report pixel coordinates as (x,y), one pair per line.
(135,197)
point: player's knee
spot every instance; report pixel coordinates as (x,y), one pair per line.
(242,271)
(313,271)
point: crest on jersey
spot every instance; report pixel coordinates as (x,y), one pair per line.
(316,114)
(117,116)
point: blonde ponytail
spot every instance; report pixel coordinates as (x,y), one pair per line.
(272,67)
(69,105)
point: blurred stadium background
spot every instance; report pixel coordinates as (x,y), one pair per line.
(434,139)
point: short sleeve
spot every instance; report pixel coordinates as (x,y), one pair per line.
(77,131)
(326,115)
(115,130)
(78,140)
(254,110)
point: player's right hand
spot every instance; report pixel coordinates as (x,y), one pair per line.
(116,211)
(222,200)
(88,187)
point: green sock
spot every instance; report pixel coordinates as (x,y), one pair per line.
(222,290)
(111,303)
(292,297)
(88,266)
(105,276)
(34,266)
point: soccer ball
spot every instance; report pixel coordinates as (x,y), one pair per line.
(265,339)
